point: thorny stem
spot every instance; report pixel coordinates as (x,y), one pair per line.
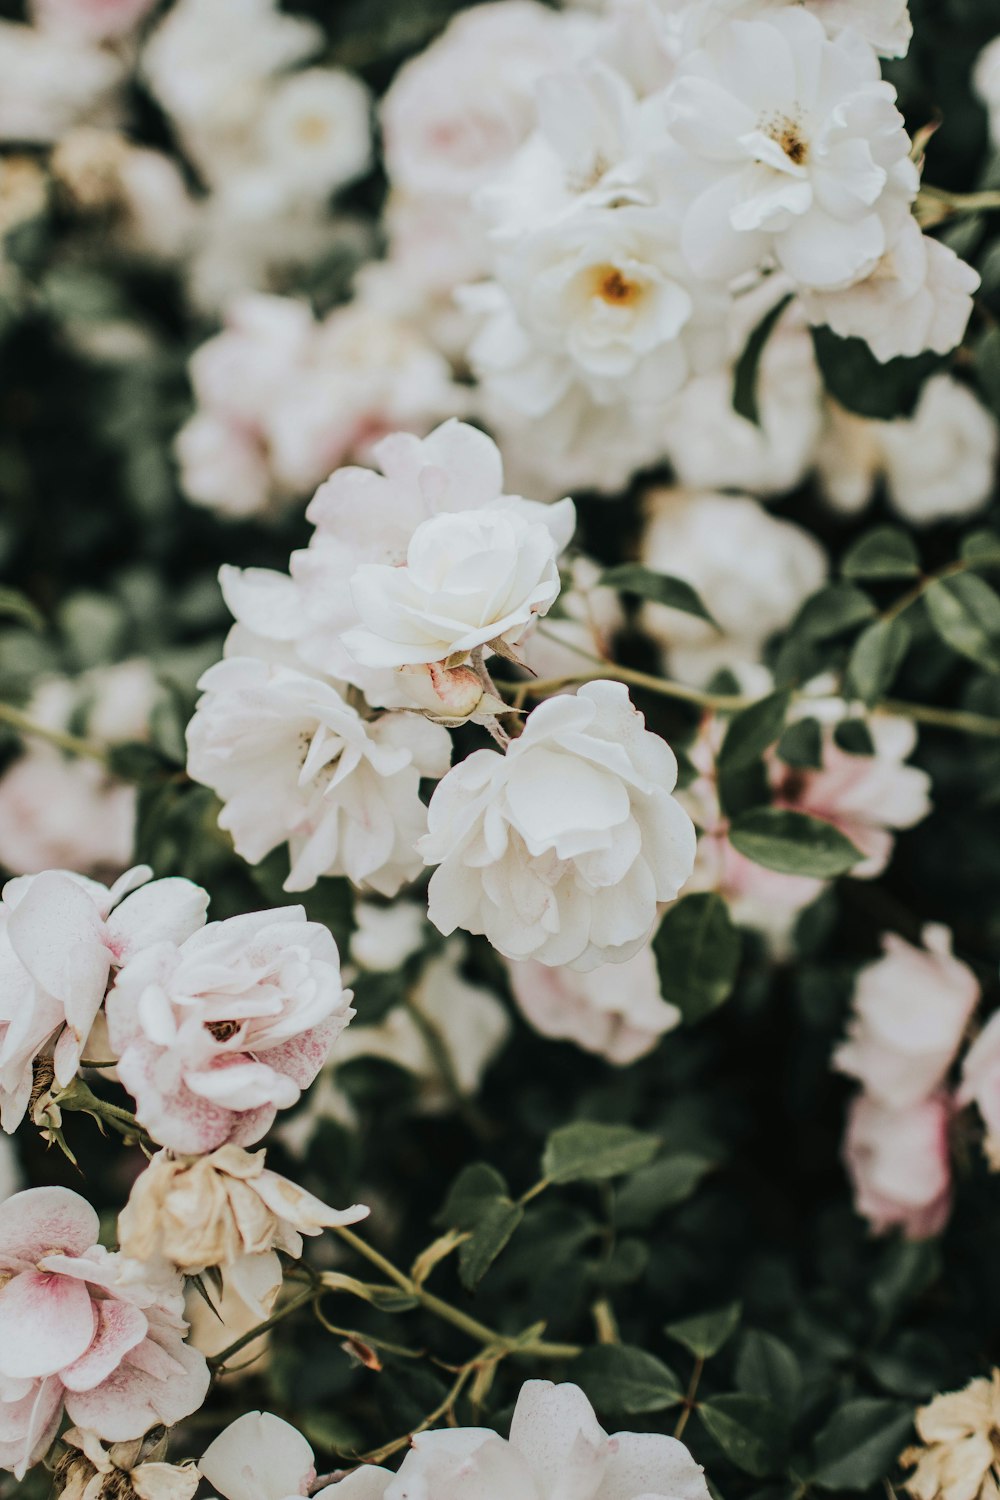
(689,1399)
(71,743)
(488,1337)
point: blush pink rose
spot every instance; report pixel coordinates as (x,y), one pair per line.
(617,1011)
(90,20)
(899,1165)
(911,1009)
(216,1034)
(78,1334)
(981,1083)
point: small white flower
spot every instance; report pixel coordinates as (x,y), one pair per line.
(50,81)
(293,762)
(563,848)
(801,150)
(469,580)
(315,131)
(941,463)
(986,80)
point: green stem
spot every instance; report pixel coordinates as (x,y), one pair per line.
(914,595)
(437,1047)
(945,205)
(218,1360)
(689,1399)
(71,743)
(78,1097)
(488,1337)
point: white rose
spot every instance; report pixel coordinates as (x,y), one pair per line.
(707,540)
(469,579)
(986,80)
(885,24)
(50,81)
(941,463)
(801,150)
(918,297)
(563,848)
(293,762)
(315,131)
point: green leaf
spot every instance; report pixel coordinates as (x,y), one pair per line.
(17,606)
(589,1152)
(793,843)
(139,763)
(751,732)
(766,1367)
(705,1335)
(749,1431)
(965,612)
(981,549)
(854,737)
(745,379)
(493,1230)
(886,552)
(624,1381)
(876,658)
(853,375)
(860,1443)
(801,745)
(834,611)
(661,1185)
(659,588)
(698,954)
(470,1196)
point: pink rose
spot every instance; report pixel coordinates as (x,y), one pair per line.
(981,1083)
(899,1165)
(216,1034)
(81,1332)
(616,1011)
(90,20)
(911,1009)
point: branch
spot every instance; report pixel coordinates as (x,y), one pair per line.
(72,744)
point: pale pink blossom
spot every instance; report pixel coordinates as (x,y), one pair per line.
(62,813)
(867,797)
(215,1034)
(61,938)
(79,1335)
(899,1164)
(910,1011)
(981,1083)
(90,20)
(617,1011)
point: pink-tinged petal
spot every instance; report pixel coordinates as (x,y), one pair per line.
(120,1327)
(28,1426)
(554,1428)
(45,1219)
(46,1322)
(367,1483)
(646,1463)
(165,911)
(259,1457)
(57,933)
(131,1401)
(301,1057)
(173,1115)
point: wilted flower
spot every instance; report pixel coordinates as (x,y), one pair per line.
(81,1331)
(121,1471)
(910,1011)
(212,1210)
(216,1034)
(563,848)
(960,1454)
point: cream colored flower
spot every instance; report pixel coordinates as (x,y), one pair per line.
(960,1454)
(211,1210)
(122,1471)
